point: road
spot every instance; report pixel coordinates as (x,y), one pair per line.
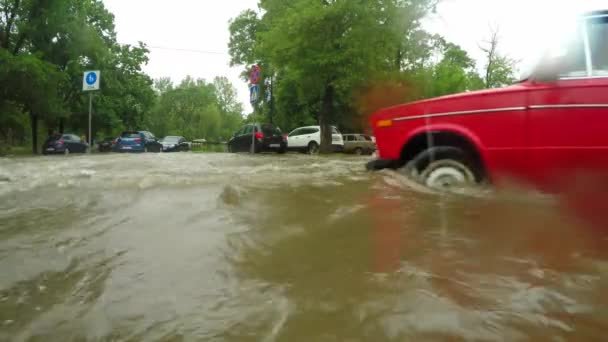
(226,247)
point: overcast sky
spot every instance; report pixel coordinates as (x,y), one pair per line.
(196,25)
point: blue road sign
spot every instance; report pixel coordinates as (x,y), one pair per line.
(254,93)
(91,78)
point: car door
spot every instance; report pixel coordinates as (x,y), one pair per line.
(233,142)
(70,143)
(312,134)
(568,118)
(79,145)
(294,139)
(348,142)
(245,139)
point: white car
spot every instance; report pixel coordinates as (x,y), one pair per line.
(308,139)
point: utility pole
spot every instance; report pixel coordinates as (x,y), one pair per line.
(90,118)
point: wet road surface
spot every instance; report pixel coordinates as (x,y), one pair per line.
(220,247)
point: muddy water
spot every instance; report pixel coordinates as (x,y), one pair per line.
(187,247)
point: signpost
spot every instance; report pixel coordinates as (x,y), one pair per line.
(255,75)
(90,82)
(254,94)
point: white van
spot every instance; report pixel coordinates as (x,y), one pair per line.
(308,139)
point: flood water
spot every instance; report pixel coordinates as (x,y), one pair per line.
(221,247)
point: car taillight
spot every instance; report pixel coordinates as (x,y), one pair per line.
(259,135)
(285,137)
(60,142)
(137,140)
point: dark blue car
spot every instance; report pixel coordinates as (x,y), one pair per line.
(138,141)
(64,144)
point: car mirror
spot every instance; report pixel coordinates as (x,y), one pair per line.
(548,69)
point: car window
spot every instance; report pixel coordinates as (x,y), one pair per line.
(598,42)
(571,55)
(269,129)
(130,135)
(248,129)
(296,132)
(66,137)
(349,138)
(367,138)
(75,138)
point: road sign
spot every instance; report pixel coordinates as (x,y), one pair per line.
(90,81)
(255,75)
(254,93)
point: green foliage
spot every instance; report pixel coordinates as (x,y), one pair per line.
(196,109)
(46,45)
(335,62)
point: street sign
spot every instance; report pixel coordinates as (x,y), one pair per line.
(254,93)
(255,75)
(90,81)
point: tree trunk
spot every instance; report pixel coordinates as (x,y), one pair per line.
(34,122)
(325,119)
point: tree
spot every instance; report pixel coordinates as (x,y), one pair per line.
(455,72)
(196,109)
(498,67)
(45,52)
(318,53)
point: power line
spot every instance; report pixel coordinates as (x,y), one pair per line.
(188,50)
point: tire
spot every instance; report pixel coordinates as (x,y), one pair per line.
(358,151)
(444,168)
(313,148)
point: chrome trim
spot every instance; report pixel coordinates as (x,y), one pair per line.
(597,105)
(587,45)
(567,78)
(465,112)
(595,16)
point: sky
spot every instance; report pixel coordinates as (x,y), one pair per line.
(190,37)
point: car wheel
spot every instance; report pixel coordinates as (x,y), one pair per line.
(359,151)
(313,148)
(443,168)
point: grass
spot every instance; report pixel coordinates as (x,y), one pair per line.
(209,149)
(15,150)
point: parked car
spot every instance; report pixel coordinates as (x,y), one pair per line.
(308,139)
(358,144)
(138,141)
(64,144)
(265,137)
(543,130)
(174,144)
(107,144)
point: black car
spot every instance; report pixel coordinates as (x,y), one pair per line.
(174,144)
(64,144)
(265,138)
(106,145)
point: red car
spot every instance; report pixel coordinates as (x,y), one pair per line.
(542,130)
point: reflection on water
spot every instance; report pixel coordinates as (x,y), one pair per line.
(283,248)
